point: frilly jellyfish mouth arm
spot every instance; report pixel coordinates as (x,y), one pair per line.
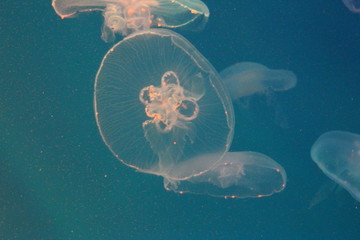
(170,112)
(167,105)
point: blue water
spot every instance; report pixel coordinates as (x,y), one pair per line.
(59,181)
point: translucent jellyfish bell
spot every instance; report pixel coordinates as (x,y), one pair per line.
(237,175)
(337,154)
(247,78)
(127,16)
(352,5)
(160,104)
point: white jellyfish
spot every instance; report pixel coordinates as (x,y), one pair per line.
(127,16)
(236,175)
(337,154)
(158,102)
(247,78)
(352,5)
(249,84)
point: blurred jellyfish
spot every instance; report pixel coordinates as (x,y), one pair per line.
(237,175)
(249,84)
(337,154)
(127,16)
(247,78)
(352,5)
(161,108)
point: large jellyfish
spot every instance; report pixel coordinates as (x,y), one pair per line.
(352,5)
(247,78)
(159,104)
(127,16)
(161,108)
(337,153)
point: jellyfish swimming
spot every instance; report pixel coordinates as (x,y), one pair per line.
(161,109)
(237,175)
(127,16)
(250,85)
(337,154)
(159,104)
(247,78)
(352,5)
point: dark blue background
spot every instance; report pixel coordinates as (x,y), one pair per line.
(59,181)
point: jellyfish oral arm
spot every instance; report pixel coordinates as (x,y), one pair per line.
(125,17)
(168,106)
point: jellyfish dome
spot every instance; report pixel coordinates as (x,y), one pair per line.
(337,153)
(127,16)
(160,105)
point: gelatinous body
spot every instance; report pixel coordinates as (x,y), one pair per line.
(237,175)
(352,5)
(127,16)
(169,105)
(247,78)
(159,103)
(337,154)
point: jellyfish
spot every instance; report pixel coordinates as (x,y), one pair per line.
(337,154)
(127,16)
(237,175)
(159,103)
(162,109)
(250,85)
(247,78)
(352,5)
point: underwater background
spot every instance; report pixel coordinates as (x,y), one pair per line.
(58,180)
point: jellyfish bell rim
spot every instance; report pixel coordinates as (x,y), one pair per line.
(65,13)
(201,10)
(215,83)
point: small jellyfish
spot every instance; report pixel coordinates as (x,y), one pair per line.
(246,78)
(352,5)
(161,108)
(237,175)
(337,154)
(127,16)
